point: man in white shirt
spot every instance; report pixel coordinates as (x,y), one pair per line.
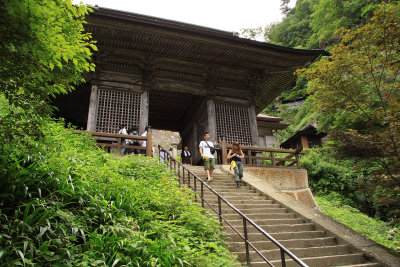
(144,143)
(206,147)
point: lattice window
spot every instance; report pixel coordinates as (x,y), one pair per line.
(116,108)
(233,122)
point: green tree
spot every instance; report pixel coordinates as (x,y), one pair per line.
(357,91)
(43,50)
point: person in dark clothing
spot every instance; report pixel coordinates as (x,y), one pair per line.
(186,156)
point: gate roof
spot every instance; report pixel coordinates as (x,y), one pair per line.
(213,61)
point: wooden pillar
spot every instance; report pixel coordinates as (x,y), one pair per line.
(304,141)
(144,111)
(224,152)
(211,120)
(253,125)
(92,114)
(149,143)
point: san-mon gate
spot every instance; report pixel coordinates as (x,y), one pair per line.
(180,77)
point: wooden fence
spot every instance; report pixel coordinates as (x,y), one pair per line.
(254,153)
(112,140)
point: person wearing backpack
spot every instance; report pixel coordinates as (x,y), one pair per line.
(236,155)
(207,151)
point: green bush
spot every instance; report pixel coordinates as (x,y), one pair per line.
(66,202)
(334,206)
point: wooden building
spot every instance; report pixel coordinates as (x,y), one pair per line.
(267,130)
(306,137)
(179,77)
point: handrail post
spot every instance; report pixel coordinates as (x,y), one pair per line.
(246,245)
(202,195)
(159,153)
(179,175)
(195,189)
(149,142)
(183,176)
(219,210)
(224,152)
(283,261)
(273,158)
(188,179)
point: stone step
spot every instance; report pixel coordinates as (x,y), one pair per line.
(275,254)
(274,228)
(229,192)
(278,236)
(239,223)
(348,259)
(289,244)
(261,211)
(254,217)
(366,264)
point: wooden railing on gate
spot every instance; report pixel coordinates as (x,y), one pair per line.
(251,154)
(112,140)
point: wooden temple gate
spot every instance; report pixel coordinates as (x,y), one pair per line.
(179,77)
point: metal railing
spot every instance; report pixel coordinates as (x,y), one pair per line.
(199,187)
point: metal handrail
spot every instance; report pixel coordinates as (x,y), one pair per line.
(171,163)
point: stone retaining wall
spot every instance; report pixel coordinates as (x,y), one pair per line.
(288,180)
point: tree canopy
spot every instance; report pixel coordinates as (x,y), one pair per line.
(357,91)
(43,50)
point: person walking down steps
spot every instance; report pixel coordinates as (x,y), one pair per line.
(236,155)
(207,151)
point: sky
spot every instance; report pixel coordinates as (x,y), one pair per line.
(226,15)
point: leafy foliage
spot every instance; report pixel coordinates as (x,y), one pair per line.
(43,50)
(333,206)
(65,202)
(311,23)
(357,91)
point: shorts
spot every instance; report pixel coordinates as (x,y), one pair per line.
(209,163)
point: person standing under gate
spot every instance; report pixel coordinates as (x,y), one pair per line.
(207,151)
(236,155)
(186,156)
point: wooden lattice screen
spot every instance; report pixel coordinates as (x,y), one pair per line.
(233,122)
(116,108)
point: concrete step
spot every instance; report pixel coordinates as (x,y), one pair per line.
(348,259)
(275,254)
(228,210)
(239,223)
(274,228)
(298,243)
(278,236)
(254,217)
(366,264)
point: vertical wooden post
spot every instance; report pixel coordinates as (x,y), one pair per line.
(149,143)
(250,157)
(224,152)
(92,114)
(144,111)
(119,141)
(298,160)
(212,128)
(253,125)
(304,141)
(273,159)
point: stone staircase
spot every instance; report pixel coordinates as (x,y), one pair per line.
(309,242)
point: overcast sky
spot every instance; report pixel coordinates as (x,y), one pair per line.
(225,15)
